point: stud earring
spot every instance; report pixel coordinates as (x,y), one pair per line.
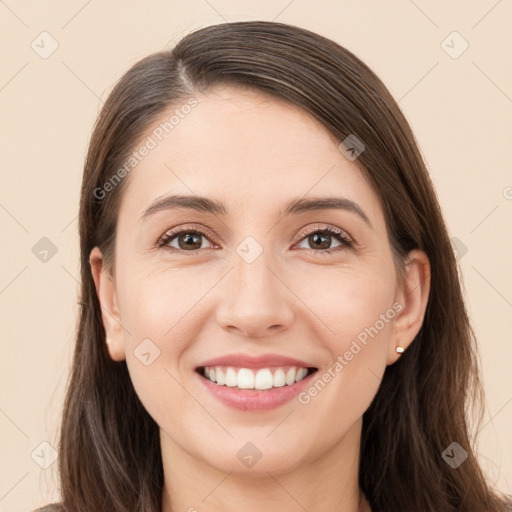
(109,340)
(400,349)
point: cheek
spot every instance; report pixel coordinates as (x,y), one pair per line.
(365,315)
(352,302)
(154,306)
(159,311)
(360,324)
(156,301)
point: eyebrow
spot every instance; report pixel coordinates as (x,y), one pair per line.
(295,206)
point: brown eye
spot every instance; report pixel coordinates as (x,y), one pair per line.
(187,240)
(320,240)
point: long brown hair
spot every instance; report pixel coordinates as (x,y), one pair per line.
(109,449)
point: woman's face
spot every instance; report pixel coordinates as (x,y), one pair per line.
(260,280)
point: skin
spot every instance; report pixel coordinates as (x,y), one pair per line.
(255,153)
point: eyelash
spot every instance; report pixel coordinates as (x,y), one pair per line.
(340,235)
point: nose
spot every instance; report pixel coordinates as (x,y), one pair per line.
(255,301)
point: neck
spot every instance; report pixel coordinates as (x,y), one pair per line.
(330,482)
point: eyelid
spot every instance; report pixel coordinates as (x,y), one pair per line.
(172,232)
(325,227)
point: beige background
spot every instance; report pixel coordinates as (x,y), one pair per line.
(460,109)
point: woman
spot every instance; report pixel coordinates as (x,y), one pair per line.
(271,316)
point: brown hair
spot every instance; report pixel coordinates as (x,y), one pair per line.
(109,449)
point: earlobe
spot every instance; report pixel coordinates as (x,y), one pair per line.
(413,299)
(107,297)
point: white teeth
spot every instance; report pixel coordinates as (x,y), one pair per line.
(279,378)
(264,379)
(246,378)
(231,378)
(220,376)
(301,373)
(290,376)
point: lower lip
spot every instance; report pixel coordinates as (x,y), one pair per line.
(251,399)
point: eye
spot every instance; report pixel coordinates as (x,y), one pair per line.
(187,240)
(319,239)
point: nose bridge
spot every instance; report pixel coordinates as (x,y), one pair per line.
(253,272)
(253,276)
(256,298)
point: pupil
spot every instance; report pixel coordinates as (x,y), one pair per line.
(189,240)
(316,239)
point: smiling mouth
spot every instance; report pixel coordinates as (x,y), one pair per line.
(260,379)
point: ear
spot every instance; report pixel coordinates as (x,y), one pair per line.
(412,298)
(106,291)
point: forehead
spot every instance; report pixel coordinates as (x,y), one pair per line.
(243,147)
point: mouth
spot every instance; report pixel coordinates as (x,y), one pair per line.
(256,379)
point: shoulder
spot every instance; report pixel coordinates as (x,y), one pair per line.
(53,507)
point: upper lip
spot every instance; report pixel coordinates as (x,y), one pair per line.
(263,361)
